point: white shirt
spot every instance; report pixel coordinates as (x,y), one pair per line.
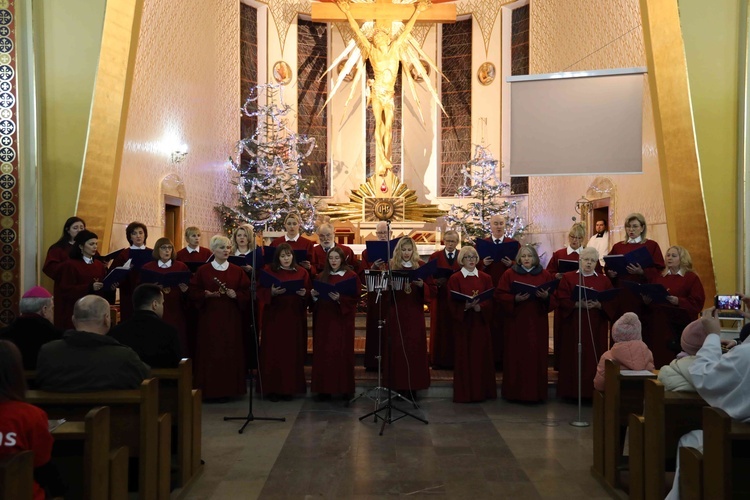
(679,272)
(287,238)
(192,250)
(466,273)
(635,240)
(220,267)
(577,250)
(592,273)
(165,265)
(527,270)
(448,254)
(601,245)
(133,247)
(240,254)
(88,260)
(406,264)
(340,272)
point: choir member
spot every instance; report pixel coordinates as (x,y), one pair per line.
(663,323)
(526,328)
(82,274)
(333,330)
(474,373)
(405,327)
(593,327)
(496,270)
(635,226)
(57,255)
(372,332)
(326,234)
(294,239)
(570,252)
(175,298)
(137,234)
(243,243)
(220,290)
(283,341)
(441,332)
(193,252)
(600,239)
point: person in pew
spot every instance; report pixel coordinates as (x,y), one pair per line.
(155,341)
(720,379)
(87,359)
(24,426)
(57,255)
(33,328)
(193,252)
(629,350)
(676,375)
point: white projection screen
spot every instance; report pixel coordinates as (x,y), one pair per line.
(577,123)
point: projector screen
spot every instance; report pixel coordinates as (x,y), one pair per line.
(577,123)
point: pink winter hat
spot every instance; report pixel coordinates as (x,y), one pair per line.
(37,292)
(628,327)
(692,337)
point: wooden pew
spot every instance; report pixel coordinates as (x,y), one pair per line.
(17,476)
(636,445)
(134,414)
(726,453)
(94,432)
(691,474)
(668,415)
(623,395)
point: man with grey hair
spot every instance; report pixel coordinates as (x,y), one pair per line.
(33,328)
(327,240)
(86,359)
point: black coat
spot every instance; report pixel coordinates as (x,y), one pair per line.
(30,332)
(155,341)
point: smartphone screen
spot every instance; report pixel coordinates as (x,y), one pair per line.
(728,302)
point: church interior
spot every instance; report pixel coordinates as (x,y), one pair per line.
(129,110)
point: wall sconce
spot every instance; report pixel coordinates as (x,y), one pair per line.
(179,155)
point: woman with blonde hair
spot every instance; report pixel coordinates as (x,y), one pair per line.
(663,322)
(292,226)
(406,325)
(527,328)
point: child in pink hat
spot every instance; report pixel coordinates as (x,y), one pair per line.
(675,376)
(629,350)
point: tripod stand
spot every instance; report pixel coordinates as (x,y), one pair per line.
(250,417)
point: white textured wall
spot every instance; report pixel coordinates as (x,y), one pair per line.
(185,90)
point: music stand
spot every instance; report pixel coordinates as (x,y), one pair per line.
(250,417)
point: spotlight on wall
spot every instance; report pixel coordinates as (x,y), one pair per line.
(179,154)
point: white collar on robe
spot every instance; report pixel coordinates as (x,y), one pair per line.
(165,265)
(220,267)
(193,250)
(635,240)
(340,272)
(527,270)
(88,260)
(287,238)
(593,273)
(406,264)
(288,268)
(240,254)
(679,272)
(133,247)
(454,252)
(577,250)
(466,273)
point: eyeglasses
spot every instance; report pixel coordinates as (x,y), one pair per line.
(471,257)
(166,247)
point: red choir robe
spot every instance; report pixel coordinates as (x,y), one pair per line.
(333,341)
(594,335)
(283,337)
(219,361)
(319,256)
(57,256)
(628,301)
(191,312)
(175,301)
(76,281)
(128,284)
(526,336)
(496,271)
(663,323)
(201,255)
(474,372)
(302,243)
(552,268)
(374,312)
(441,333)
(408,348)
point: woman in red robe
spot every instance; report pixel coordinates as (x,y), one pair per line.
(333,331)
(594,321)
(635,225)
(193,252)
(405,326)
(294,239)
(663,323)
(243,244)
(82,274)
(283,338)
(474,373)
(220,290)
(175,298)
(374,307)
(441,331)
(137,234)
(57,255)
(526,328)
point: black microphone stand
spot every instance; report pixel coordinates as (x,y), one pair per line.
(388,407)
(250,417)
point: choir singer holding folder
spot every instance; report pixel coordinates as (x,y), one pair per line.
(526,326)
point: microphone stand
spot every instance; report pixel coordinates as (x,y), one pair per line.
(579,422)
(250,417)
(388,407)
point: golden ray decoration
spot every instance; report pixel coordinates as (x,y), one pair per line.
(352,210)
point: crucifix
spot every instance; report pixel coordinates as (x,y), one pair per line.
(385,52)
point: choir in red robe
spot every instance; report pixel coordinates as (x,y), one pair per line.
(375,312)
(175,300)
(566,253)
(441,332)
(318,258)
(136,233)
(57,255)
(496,271)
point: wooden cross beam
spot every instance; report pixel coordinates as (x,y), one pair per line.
(383,11)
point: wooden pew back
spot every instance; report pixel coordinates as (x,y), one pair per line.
(17,476)
(726,453)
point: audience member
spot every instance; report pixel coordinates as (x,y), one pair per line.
(676,376)
(33,328)
(154,340)
(629,350)
(87,359)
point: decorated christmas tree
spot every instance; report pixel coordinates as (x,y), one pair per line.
(482,185)
(269,183)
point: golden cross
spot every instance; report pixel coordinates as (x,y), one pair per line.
(383,11)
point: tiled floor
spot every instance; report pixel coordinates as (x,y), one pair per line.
(489,450)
